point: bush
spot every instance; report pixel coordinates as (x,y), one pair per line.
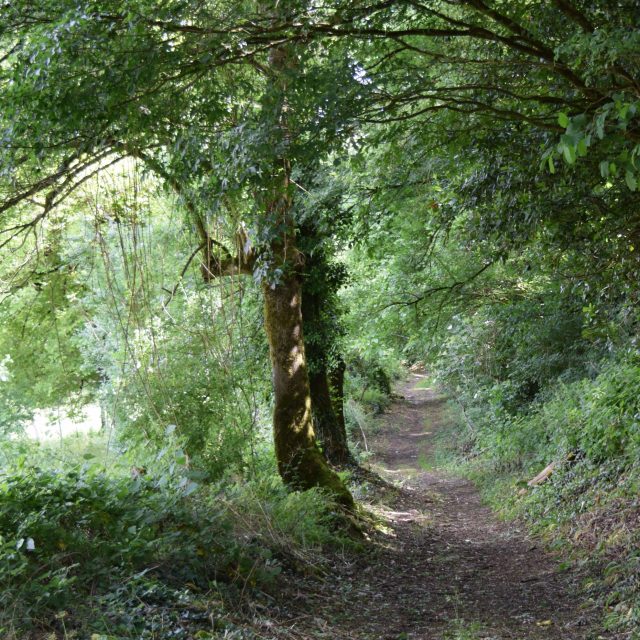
(85,551)
(68,534)
(514,354)
(595,419)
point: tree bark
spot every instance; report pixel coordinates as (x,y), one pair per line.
(336,385)
(300,461)
(326,367)
(329,419)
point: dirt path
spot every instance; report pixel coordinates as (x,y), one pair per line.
(445,568)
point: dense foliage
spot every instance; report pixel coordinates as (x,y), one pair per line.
(192,194)
(88,549)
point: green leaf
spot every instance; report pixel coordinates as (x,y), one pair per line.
(604,168)
(190,488)
(582,147)
(600,120)
(624,109)
(631,181)
(552,166)
(563,119)
(569,153)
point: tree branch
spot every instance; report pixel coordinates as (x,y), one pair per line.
(433,290)
(571,12)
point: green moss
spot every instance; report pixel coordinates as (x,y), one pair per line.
(300,462)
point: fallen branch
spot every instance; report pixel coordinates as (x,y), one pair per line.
(543,475)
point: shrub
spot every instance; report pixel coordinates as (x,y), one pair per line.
(86,551)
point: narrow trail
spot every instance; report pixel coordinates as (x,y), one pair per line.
(446,568)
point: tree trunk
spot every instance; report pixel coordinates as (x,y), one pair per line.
(328,418)
(300,461)
(318,314)
(336,386)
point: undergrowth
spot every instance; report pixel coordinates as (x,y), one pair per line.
(369,393)
(118,552)
(590,505)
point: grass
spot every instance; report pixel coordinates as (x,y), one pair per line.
(425,462)
(460,629)
(425,382)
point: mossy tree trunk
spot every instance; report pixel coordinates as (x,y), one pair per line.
(329,419)
(336,385)
(300,461)
(326,395)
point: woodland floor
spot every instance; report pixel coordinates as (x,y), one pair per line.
(444,568)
